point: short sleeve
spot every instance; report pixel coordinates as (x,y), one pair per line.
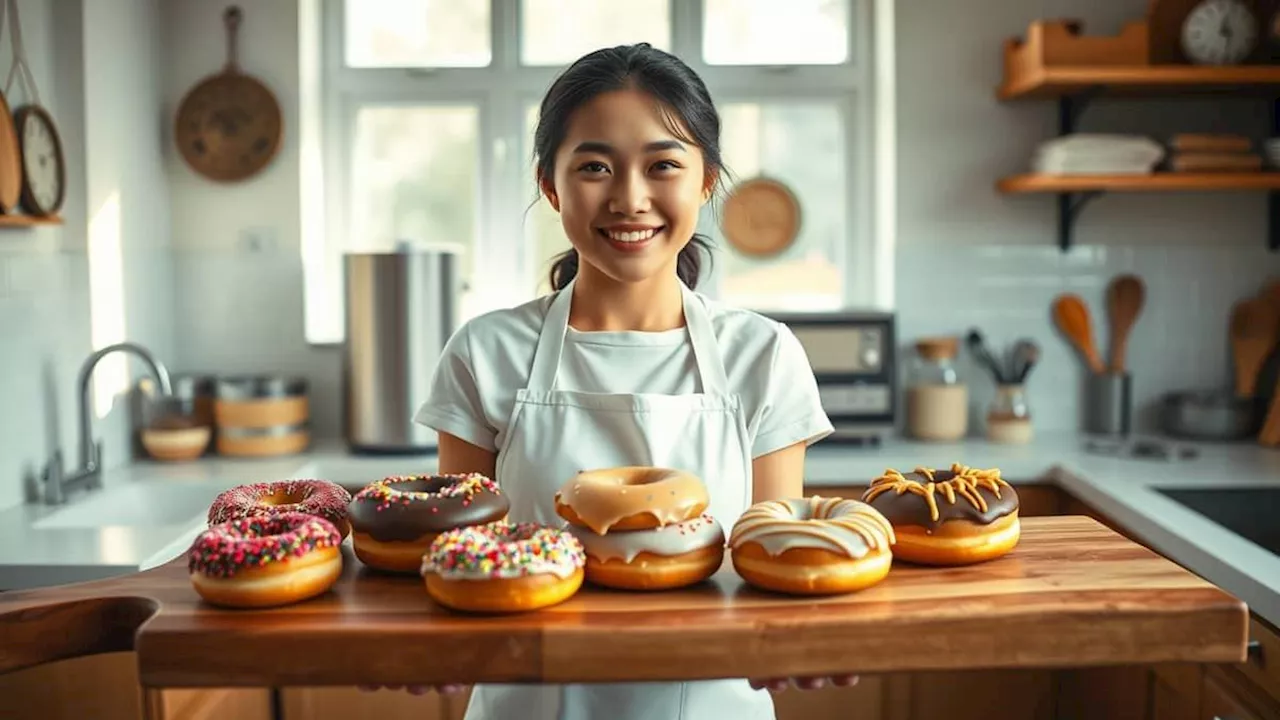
(791,410)
(454,404)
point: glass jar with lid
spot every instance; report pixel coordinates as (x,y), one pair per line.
(937,397)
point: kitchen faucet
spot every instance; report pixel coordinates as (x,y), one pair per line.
(89,475)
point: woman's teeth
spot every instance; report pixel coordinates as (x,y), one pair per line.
(634,236)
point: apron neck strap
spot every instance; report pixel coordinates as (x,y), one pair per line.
(706,352)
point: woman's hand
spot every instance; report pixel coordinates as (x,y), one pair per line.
(416,689)
(803,683)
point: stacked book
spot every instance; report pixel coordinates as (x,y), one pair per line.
(1191,152)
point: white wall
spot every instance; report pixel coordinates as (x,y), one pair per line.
(970,256)
(240,309)
(103,94)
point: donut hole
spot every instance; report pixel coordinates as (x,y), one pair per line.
(424,485)
(281,497)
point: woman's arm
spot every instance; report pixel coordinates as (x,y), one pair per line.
(459,456)
(778,475)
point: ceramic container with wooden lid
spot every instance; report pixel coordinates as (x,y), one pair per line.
(262,415)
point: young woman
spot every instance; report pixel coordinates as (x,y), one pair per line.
(624,364)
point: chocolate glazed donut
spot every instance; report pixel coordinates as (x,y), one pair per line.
(394,520)
(952,498)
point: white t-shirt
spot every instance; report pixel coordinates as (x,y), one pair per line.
(489,358)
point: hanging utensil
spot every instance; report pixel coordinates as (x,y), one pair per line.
(229,126)
(1253,330)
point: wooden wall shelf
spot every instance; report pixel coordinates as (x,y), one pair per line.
(1047,83)
(1155,182)
(1054,61)
(28,221)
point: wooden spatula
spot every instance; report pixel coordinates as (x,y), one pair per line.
(1072,318)
(1253,330)
(1125,297)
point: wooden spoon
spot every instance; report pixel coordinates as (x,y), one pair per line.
(1253,330)
(1125,297)
(1072,318)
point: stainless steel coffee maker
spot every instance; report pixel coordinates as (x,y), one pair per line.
(401,309)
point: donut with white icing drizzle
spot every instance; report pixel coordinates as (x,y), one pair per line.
(812,546)
(630,498)
(671,556)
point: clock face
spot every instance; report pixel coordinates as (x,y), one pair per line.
(1219,32)
(41,163)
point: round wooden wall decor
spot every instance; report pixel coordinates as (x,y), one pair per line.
(761,217)
(229,126)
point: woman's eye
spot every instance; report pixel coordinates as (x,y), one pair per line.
(666,165)
(593,167)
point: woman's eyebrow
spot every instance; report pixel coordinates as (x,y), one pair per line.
(601,148)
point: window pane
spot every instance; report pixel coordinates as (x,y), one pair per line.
(772,32)
(542,229)
(557,32)
(802,145)
(414,178)
(417,33)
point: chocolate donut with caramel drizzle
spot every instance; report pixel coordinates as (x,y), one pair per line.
(812,546)
(956,516)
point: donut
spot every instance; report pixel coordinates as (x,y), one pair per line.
(394,520)
(670,556)
(630,498)
(947,517)
(265,560)
(503,567)
(814,546)
(313,497)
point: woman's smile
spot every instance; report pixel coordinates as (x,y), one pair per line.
(630,238)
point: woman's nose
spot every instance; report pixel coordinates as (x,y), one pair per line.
(629,195)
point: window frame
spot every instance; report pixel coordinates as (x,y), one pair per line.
(502,92)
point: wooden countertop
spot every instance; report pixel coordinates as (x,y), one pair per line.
(1073,593)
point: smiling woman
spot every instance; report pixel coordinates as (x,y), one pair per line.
(796,107)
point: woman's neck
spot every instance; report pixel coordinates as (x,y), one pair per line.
(601,303)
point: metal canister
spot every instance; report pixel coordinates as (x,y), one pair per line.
(262,415)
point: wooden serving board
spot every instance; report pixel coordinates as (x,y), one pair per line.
(1073,593)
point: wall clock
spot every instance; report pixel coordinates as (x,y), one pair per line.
(229,125)
(44,170)
(1219,32)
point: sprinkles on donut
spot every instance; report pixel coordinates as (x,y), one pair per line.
(313,497)
(503,567)
(264,561)
(394,520)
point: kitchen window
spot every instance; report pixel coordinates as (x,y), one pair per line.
(425,112)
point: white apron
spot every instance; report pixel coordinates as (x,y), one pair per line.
(553,434)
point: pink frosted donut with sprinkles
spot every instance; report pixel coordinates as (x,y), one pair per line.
(265,560)
(503,567)
(394,520)
(313,497)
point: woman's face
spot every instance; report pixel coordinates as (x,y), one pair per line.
(628,190)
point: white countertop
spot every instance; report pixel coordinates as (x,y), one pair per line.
(1125,489)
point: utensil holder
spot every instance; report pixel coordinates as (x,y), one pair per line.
(1108,404)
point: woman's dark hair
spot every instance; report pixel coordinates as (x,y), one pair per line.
(664,76)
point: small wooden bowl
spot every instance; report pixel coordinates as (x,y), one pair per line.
(176,444)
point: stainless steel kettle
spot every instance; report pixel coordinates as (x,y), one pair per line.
(401,309)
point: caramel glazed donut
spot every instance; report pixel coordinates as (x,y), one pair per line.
(642,528)
(814,546)
(503,567)
(394,520)
(313,497)
(265,561)
(948,517)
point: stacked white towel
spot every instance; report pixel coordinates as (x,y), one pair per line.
(1098,154)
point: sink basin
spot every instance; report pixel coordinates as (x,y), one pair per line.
(137,504)
(1247,512)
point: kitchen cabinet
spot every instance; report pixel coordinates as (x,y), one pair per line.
(105,687)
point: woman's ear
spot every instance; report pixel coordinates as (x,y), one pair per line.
(709,185)
(549,190)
